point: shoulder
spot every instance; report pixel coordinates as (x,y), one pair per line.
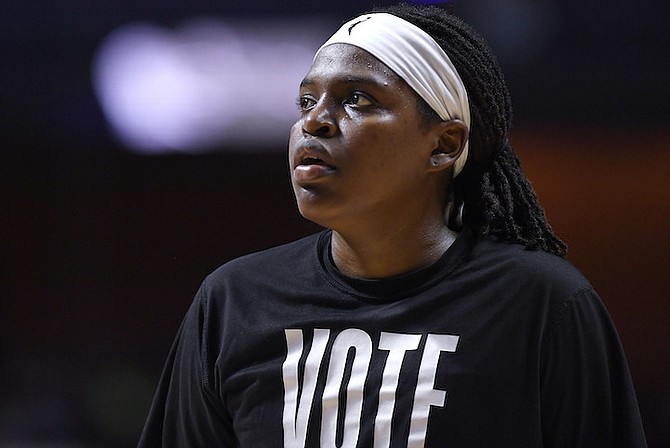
(527,269)
(274,263)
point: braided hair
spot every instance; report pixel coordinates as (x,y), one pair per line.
(497,197)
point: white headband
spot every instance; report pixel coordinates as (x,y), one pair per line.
(414,56)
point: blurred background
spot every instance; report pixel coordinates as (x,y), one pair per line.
(142,145)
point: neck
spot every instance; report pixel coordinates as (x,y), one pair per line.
(381,254)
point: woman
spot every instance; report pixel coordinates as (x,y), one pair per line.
(436,310)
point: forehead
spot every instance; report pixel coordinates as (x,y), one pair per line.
(345,60)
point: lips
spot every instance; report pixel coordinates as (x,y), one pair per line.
(312,163)
(309,161)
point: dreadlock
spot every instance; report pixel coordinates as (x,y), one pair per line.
(498,198)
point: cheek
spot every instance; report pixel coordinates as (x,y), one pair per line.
(294,132)
(373,142)
(294,136)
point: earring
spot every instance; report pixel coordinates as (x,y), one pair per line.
(458,218)
(453,213)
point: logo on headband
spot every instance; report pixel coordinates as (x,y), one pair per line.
(360,21)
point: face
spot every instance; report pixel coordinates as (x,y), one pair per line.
(360,149)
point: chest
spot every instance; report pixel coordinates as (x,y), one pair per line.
(383,376)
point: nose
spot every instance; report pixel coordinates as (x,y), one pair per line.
(319,121)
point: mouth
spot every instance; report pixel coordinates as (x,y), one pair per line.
(311,167)
(309,161)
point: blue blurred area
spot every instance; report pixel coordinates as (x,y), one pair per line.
(567,60)
(102,250)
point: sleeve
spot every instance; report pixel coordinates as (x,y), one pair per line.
(587,393)
(186,410)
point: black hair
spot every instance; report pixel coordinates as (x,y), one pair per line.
(498,198)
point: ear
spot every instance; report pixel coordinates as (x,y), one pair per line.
(451,138)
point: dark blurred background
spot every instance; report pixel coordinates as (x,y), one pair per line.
(105,240)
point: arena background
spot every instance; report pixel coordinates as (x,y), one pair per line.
(105,238)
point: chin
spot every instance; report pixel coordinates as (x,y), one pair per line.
(318,213)
(311,213)
(322,206)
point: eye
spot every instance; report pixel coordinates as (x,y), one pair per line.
(358,99)
(305,103)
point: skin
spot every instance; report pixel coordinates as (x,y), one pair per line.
(364,164)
